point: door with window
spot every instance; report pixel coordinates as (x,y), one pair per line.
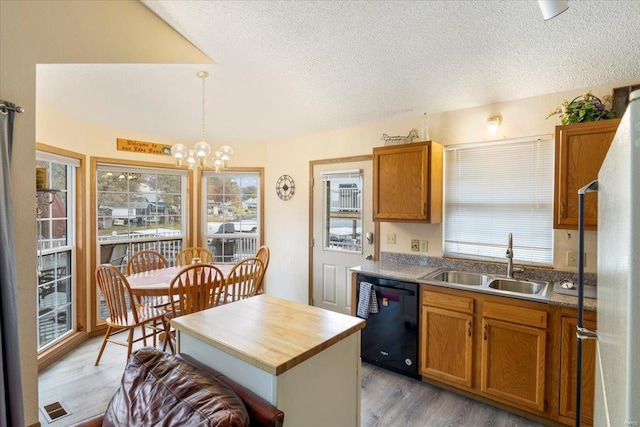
(342,224)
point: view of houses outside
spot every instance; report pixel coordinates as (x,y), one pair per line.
(138,210)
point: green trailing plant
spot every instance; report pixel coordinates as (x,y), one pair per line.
(584,108)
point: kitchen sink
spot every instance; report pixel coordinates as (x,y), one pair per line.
(518,286)
(489,283)
(462,278)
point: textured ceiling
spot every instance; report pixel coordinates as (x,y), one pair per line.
(290,68)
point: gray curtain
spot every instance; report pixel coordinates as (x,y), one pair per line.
(11,409)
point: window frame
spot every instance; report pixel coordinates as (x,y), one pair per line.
(201,231)
(50,353)
(97,324)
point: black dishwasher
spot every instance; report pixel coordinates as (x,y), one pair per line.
(390,337)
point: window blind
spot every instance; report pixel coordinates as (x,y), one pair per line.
(493,189)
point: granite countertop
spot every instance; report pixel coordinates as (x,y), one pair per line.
(590,304)
(412,272)
(394,270)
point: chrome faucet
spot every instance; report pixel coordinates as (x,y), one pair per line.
(510,268)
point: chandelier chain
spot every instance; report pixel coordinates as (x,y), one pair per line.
(203,75)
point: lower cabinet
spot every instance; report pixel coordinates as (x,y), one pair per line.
(447,338)
(522,354)
(494,347)
(568,368)
(514,343)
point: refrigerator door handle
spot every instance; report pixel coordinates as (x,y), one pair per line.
(586,334)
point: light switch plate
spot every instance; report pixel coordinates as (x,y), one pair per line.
(415,245)
(424,246)
(572,259)
(391,238)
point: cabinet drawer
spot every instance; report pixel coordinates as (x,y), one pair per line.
(513,314)
(451,302)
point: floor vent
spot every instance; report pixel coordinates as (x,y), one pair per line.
(54,411)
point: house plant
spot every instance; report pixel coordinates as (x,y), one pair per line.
(584,108)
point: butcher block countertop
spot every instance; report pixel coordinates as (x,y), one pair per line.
(270,333)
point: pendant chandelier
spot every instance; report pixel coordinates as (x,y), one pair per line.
(197,156)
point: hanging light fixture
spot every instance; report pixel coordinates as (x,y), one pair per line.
(202,150)
(552,8)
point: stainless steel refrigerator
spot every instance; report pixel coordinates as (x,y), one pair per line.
(617,387)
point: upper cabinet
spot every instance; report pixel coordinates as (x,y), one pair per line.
(580,151)
(407,183)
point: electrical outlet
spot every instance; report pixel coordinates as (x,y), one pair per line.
(415,245)
(391,238)
(424,246)
(572,259)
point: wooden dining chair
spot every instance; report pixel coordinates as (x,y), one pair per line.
(124,313)
(146,261)
(186,255)
(149,260)
(264,254)
(244,279)
(195,288)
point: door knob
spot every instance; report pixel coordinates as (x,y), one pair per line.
(368,256)
(369,237)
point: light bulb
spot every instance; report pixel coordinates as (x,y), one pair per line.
(226,150)
(179,151)
(202,149)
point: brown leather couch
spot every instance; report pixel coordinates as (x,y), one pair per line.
(161,389)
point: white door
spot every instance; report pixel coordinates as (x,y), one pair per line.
(342,229)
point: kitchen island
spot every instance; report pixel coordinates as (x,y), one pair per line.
(302,359)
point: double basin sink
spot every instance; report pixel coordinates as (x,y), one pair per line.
(535,289)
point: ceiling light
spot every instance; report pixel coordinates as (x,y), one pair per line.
(552,8)
(493,124)
(201,150)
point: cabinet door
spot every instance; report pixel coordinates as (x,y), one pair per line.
(513,363)
(580,151)
(447,345)
(407,182)
(568,370)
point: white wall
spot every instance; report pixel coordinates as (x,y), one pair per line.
(34,33)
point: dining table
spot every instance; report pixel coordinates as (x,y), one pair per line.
(157,282)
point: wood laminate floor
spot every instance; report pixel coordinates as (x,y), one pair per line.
(388,399)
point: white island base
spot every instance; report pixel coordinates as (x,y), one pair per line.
(314,383)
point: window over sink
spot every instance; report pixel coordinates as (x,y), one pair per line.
(496,188)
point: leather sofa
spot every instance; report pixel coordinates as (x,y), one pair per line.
(161,389)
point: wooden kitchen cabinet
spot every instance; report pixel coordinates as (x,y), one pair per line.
(446,353)
(580,151)
(407,183)
(514,354)
(568,369)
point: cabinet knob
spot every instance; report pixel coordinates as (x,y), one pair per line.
(485,332)
(469,328)
(562,210)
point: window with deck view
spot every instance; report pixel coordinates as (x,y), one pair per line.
(342,211)
(139,209)
(56,247)
(231,214)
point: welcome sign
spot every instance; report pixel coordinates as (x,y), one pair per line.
(144,147)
